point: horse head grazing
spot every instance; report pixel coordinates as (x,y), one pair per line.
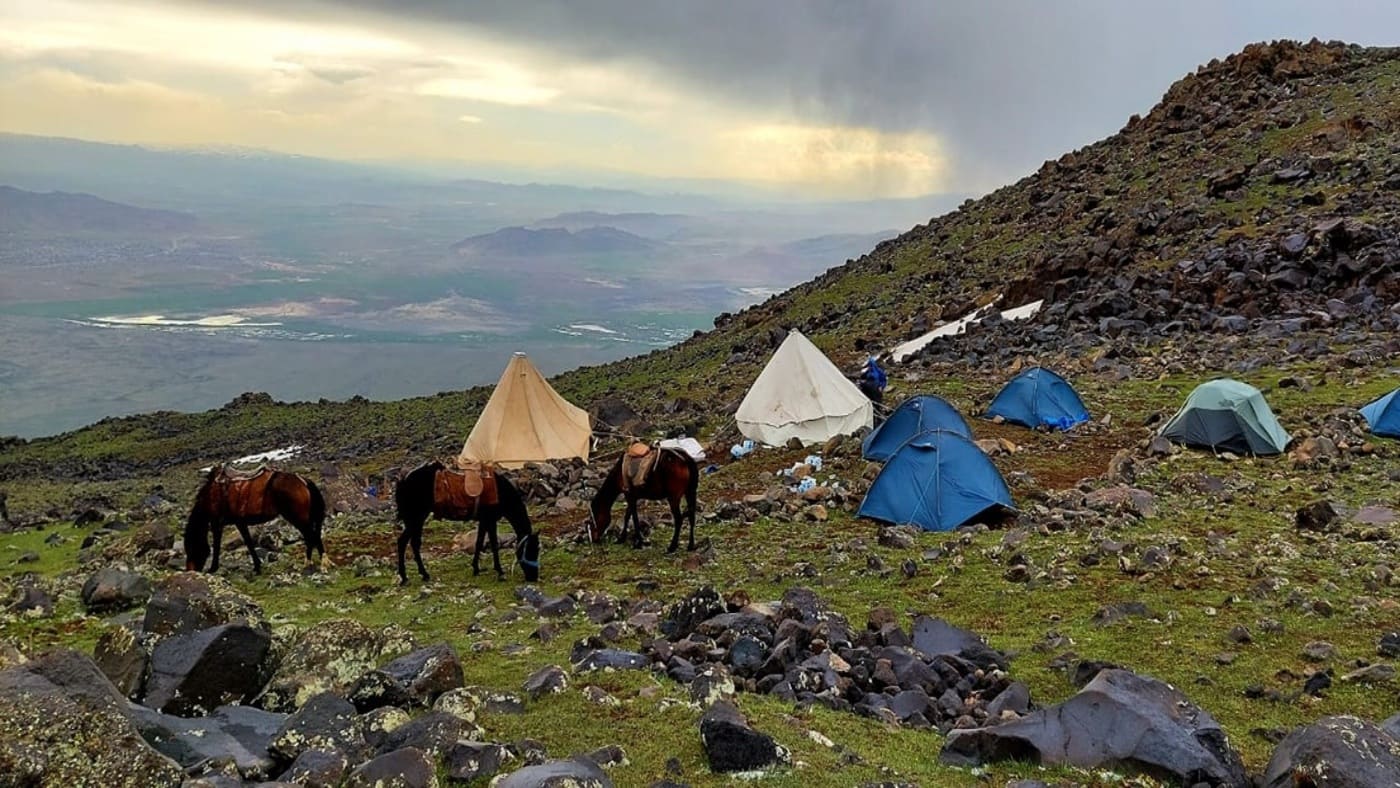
(197,526)
(600,508)
(527,554)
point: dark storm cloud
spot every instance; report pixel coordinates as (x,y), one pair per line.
(1004,84)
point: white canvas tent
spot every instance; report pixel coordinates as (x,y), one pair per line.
(801,394)
(527,421)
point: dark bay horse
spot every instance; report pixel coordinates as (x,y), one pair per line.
(426,491)
(674,477)
(241,501)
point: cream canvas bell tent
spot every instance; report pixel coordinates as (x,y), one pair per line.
(801,394)
(527,421)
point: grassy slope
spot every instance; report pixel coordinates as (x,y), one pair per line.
(1209,589)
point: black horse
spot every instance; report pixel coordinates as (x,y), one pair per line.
(242,501)
(675,477)
(432,489)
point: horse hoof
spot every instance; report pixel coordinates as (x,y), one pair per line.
(671,549)
(403,581)
(427,579)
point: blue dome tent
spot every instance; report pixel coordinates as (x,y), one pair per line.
(938,480)
(1384,415)
(920,413)
(1039,397)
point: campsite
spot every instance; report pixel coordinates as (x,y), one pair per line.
(1144,533)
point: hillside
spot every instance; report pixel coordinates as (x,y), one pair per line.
(524,242)
(1248,225)
(63,213)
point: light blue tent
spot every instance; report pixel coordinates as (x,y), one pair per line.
(1039,397)
(920,413)
(938,481)
(1384,415)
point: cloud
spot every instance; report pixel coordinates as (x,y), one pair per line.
(825,95)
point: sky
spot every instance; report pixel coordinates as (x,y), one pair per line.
(828,99)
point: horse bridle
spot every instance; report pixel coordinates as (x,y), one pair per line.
(520,559)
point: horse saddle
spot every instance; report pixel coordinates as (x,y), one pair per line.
(637,465)
(242,491)
(465,490)
(230,474)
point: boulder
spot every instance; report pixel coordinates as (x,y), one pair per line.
(32,599)
(546,681)
(317,769)
(611,659)
(1317,516)
(187,602)
(239,734)
(471,760)
(1334,752)
(65,724)
(378,724)
(433,733)
(416,678)
(571,773)
(113,589)
(731,745)
(406,768)
(325,722)
(684,616)
(191,674)
(328,657)
(1119,719)
(124,659)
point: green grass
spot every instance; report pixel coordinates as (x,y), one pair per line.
(1222,549)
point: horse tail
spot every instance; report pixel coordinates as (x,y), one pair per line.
(318,514)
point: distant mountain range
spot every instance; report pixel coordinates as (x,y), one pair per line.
(26,212)
(524,242)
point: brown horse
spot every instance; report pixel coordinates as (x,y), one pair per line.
(674,477)
(241,501)
(432,489)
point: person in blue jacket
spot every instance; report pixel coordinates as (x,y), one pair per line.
(872,380)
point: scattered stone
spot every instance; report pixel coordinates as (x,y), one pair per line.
(328,657)
(33,600)
(240,734)
(1119,719)
(124,659)
(192,674)
(317,769)
(899,537)
(416,678)
(611,659)
(112,589)
(325,722)
(469,760)
(1317,516)
(461,703)
(571,773)
(187,602)
(546,681)
(1334,752)
(433,733)
(406,768)
(607,757)
(1319,651)
(61,698)
(731,745)
(1119,611)
(1389,645)
(1371,674)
